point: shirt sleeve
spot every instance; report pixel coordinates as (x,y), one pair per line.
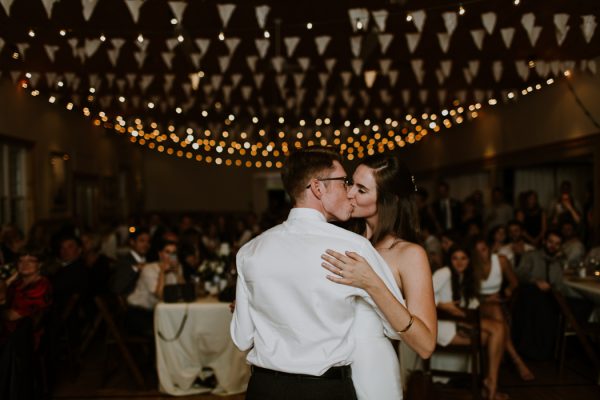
(383,271)
(440,278)
(242,326)
(525,269)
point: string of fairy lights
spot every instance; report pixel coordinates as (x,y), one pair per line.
(218,148)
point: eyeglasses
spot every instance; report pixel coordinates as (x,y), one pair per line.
(347,181)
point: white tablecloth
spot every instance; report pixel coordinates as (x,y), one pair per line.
(204,342)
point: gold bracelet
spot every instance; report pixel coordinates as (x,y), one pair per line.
(412,319)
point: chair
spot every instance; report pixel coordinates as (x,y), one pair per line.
(571,327)
(472,350)
(116,335)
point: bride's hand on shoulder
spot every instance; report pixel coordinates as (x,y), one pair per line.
(348,269)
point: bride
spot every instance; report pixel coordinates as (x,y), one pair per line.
(385,212)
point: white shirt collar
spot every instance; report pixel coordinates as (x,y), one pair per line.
(306,213)
(137,257)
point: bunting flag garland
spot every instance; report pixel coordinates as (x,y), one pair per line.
(444,41)
(507,36)
(134,8)
(450,21)
(261,15)
(50,51)
(225,12)
(355,44)
(48,5)
(322,42)
(178,8)
(385,39)
(6,4)
(478,35)
(290,44)
(489,22)
(262,45)
(588,27)
(202,45)
(380,17)
(359,18)
(561,27)
(413,41)
(418,18)
(232,44)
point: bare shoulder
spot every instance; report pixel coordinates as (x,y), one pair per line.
(410,257)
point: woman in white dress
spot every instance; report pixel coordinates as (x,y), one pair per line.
(382,197)
(493,269)
(456,287)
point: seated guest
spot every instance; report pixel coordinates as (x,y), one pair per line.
(98,264)
(536,312)
(572,247)
(432,246)
(517,246)
(492,271)
(28,294)
(68,275)
(127,268)
(497,238)
(456,287)
(500,212)
(150,287)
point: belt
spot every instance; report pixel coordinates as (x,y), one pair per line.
(332,373)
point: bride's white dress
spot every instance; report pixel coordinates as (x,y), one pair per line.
(375,366)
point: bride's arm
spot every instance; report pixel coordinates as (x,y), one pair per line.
(353,270)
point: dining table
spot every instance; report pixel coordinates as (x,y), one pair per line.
(192,344)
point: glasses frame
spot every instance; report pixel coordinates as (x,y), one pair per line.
(346,179)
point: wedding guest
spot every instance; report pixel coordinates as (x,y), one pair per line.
(564,208)
(534,219)
(128,267)
(446,209)
(497,238)
(517,245)
(150,287)
(500,212)
(492,271)
(68,275)
(456,287)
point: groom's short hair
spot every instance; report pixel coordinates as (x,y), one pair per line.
(304,164)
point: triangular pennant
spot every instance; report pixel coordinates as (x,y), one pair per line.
(413,41)
(261,15)
(80,53)
(232,44)
(262,45)
(290,44)
(304,63)
(380,17)
(384,65)
(357,65)
(478,35)
(560,21)
(140,57)
(323,78)
(178,7)
(143,45)
(370,77)
(450,21)
(355,45)
(592,66)
(393,77)
(442,94)
(246,92)
(226,93)
(405,97)
(561,35)
(73,43)
(6,4)
(418,18)
(534,35)
(489,22)
(417,67)
(134,8)
(346,77)
(468,77)
(48,4)
(171,43)
(216,81)
(121,85)
(280,81)
(50,78)
(444,41)
(497,69)
(35,78)
(440,76)
(94,80)
(298,79)
(187,87)
(528,22)
(461,95)
(474,68)
(330,64)
(14,75)
(258,80)
(91,46)
(251,61)
(542,68)
(588,27)
(423,95)
(50,50)
(207,89)
(322,42)
(22,49)
(522,69)
(235,80)
(195,58)
(555,67)
(359,18)
(446,66)
(69,77)
(507,36)
(224,63)
(145,82)
(225,11)
(168,84)
(168,59)
(478,95)
(202,45)
(277,63)
(384,41)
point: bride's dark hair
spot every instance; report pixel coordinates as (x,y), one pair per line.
(396,192)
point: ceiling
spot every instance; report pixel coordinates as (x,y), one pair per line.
(365,75)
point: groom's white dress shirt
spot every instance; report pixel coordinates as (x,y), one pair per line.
(291,317)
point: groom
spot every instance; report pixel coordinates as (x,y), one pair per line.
(294,321)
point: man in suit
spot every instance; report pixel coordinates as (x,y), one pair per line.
(294,322)
(128,267)
(446,209)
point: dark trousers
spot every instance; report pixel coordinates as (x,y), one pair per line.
(264,386)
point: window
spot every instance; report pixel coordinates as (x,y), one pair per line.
(13,185)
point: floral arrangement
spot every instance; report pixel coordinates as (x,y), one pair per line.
(7,270)
(214,273)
